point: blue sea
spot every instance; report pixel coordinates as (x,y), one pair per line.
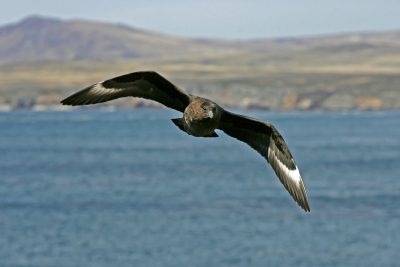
(128,188)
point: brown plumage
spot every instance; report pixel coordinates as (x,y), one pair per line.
(201,117)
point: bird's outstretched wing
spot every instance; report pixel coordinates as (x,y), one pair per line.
(144,84)
(264,138)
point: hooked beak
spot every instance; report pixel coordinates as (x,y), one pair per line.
(210,114)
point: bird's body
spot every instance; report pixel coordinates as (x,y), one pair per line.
(201,117)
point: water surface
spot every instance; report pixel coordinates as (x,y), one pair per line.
(128,188)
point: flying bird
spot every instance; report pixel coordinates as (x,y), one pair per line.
(201,117)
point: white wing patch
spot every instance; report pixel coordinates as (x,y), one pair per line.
(291,179)
(294,175)
(100,89)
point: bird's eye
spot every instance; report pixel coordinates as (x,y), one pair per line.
(204,108)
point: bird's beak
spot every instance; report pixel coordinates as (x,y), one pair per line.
(210,114)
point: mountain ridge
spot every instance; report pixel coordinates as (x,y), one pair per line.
(44,60)
(37,38)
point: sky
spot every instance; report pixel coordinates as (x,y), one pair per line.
(223,19)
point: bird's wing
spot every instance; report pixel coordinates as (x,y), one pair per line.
(144,84)
(264,138)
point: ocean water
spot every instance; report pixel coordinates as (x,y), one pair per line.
(128,188)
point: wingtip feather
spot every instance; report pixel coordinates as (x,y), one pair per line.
(301,197)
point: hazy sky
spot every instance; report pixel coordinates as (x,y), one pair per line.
(221,18)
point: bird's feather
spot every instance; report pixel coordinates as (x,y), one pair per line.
(144,84)
(266,140)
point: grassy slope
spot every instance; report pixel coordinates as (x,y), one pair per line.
(329,73)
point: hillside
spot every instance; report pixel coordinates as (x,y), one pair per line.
(37,39)
(46,59)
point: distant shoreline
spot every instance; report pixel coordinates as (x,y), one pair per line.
(43,108)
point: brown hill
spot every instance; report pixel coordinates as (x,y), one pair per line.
(47,59)
(37,39)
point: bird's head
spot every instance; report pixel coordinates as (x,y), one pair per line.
(202,110)
(209,110)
